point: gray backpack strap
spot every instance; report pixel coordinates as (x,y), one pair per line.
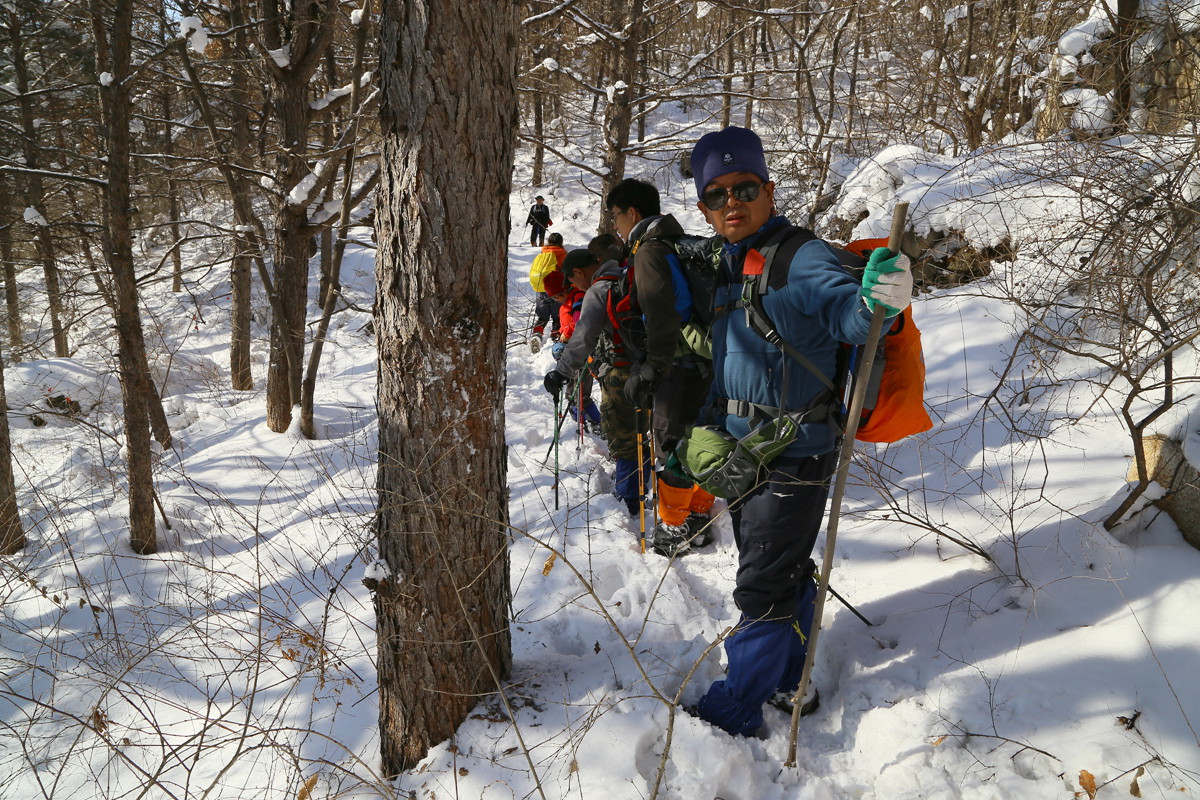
(785,241)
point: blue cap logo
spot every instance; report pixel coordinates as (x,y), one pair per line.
(727,151)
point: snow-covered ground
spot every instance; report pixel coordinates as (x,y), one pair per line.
(238,662)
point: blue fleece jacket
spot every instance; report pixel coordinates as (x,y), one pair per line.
(819,307)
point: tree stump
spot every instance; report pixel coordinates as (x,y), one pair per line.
(1168,467)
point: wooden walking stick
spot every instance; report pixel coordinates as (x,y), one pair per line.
(899,217)
(641,481)
(555,446)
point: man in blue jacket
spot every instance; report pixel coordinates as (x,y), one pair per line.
(776,523)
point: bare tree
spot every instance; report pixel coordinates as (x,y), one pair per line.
(243,244)
(12,301)
(295,36)
(17,17)
(113,30)
(12,535)
(618,113)
(331,261)
(447,113)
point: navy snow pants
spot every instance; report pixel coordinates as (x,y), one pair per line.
(775,528)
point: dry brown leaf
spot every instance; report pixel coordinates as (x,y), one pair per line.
(549,565)
(306,790)
(1134,789)
(1087,781)
(939,740)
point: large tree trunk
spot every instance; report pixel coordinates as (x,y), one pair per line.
(113,46)
(12,300)
(448,75)
(35,193)
(293,248)
(12,535)
(618,113)
(239,278)
(539,147)
(305,28)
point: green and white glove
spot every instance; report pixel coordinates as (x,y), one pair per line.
(887,281)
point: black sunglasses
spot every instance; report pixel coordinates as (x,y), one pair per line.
(746,191)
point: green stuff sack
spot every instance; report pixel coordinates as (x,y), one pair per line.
(729,467)
(714,460)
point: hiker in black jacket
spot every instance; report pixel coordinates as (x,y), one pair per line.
(667,377)
(539,218)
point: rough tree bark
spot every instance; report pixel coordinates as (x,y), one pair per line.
(12,535)
(618,112)
(12,301)
(34,186)
(293,248)
(448,74)
(239,271)
(331,285)
(303,30)
(113,55)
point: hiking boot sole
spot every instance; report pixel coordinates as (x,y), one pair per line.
(784,704)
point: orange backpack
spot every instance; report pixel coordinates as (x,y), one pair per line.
(895,400)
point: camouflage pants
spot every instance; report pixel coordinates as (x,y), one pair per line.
(619,417)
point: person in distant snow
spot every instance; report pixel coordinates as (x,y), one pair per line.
(539,218)
(545,307)
(775,524)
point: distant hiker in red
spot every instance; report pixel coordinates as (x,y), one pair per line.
(539,218)
(570,300)
(568,313)
(757,383)
(547,261)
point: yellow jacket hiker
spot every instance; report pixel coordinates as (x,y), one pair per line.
(546,262)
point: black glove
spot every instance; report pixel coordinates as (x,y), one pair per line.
(554,382)
(639,387)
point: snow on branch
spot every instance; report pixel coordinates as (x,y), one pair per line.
(192,29)
(338,93)
(302,191)
(47,173)
(558,9)
(282,57)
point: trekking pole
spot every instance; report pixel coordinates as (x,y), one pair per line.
(641,482)
(579,415)
(853,610)
(653,473)
(557,427)
(845,456)
(557,401)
